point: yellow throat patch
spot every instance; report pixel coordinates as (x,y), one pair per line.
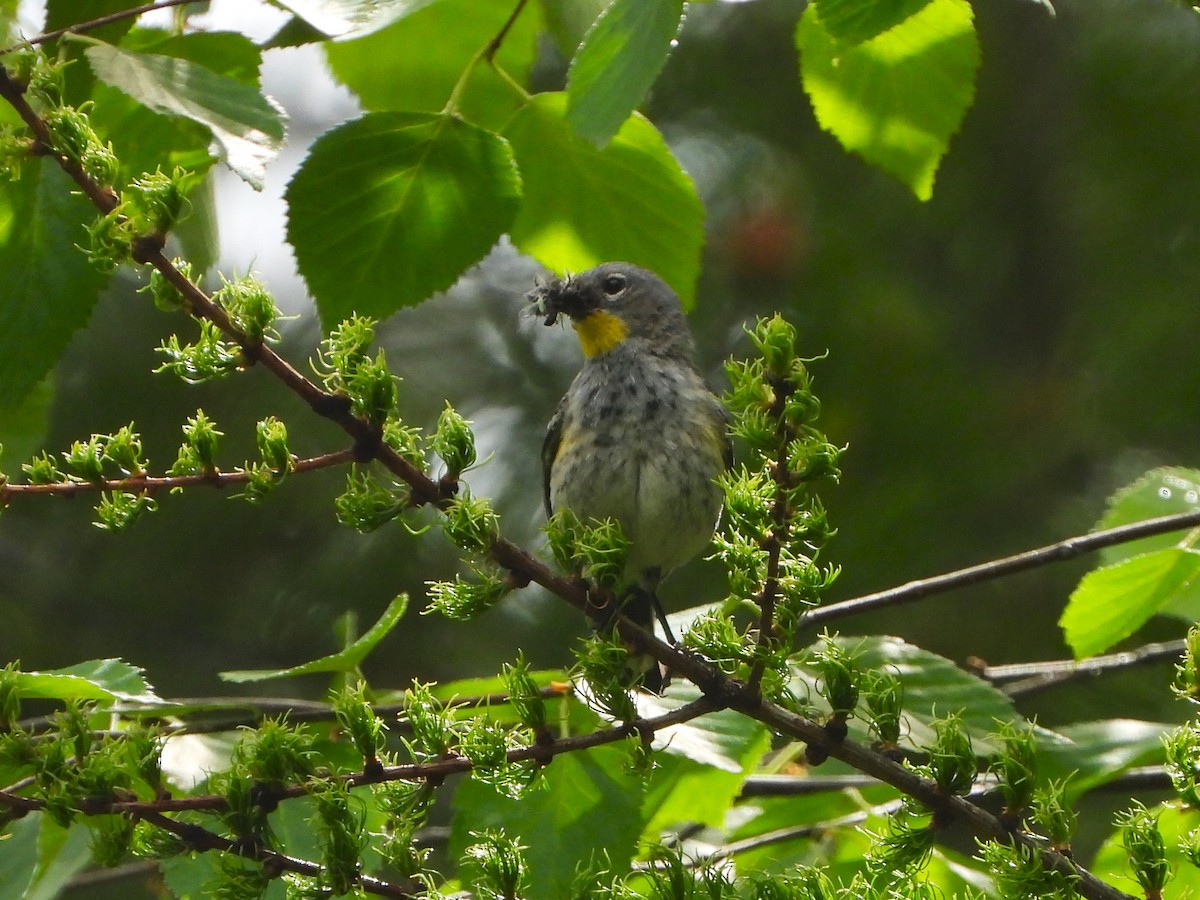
(599,332)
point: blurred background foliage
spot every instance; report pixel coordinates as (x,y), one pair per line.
(1000,359)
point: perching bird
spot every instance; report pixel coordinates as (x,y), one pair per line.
(638,436)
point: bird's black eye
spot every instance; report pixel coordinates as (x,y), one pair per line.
(613,285)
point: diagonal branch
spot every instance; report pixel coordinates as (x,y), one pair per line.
(1071,548)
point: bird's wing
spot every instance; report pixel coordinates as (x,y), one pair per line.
(550,449)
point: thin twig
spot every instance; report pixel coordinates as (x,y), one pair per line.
(152,484)
(493,46)
(1071,548)
(199,838)
(1027,678)
(92,24)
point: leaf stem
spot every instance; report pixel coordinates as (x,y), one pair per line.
(92,24)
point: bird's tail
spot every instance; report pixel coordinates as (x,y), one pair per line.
(642,607)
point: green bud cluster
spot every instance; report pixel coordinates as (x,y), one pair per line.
(465,598)
(1018,873)
(345,367)
(72,136)
(1052,815)
(251,308)
(1015,768)
(497,866)
(210,357)
(277,461)
(952,762)
(901,850)
(596,550)
(454,442)
(774,525)
(437,733)
(1187,671)
(1145,848)
(1182,748)
(366,504)
(340,826)
(198,452)
(609,671)
(883,694)
(524,695)
(166,296)
(367,731)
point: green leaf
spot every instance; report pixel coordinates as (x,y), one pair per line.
(346,660)
(392,207)
(587,802)
(1112,602)
(394,68)
(1097,752)
(248,126)
(19,857)
(714,754)
(96,679)
(23,426)
(62,853)
(351,18)
(1160,492)
(629,201)
(616,64)
(48,287)
(854,21)
(712,757)
(933,687)
(896,99)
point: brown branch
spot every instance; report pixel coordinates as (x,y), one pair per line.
(1027,678)
(151,484)
(199,838)
(91,24)
(1068,549)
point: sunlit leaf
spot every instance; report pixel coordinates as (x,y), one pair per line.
(1160,492)
(1112,602)
(351,18)
(616,64)
(248,127)
(394,68)
(346,660)
(1093,753)
(392,207)
(96,679)
(897,99)
(583,205)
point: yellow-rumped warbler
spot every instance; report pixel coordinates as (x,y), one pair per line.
(638,436)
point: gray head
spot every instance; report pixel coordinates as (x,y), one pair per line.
(617,304)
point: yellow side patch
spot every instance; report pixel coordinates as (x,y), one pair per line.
(599,332)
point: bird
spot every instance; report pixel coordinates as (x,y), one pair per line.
(638,437)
